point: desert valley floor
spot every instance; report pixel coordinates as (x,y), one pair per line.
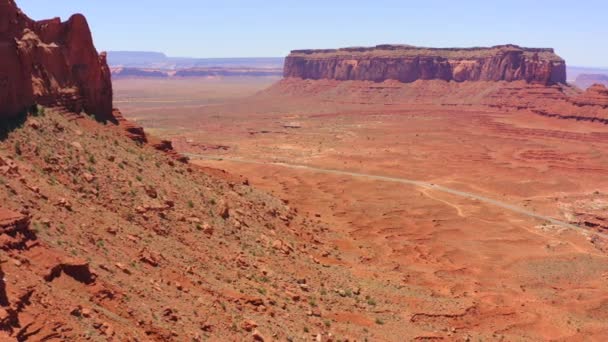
(469,218)
(384,193)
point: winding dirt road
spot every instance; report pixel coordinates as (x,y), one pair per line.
(421,184)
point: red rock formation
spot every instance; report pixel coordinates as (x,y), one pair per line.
(14,230)
(137,133)
(167,147)
(133,131)
(408,64)
(51,63)
(596,95)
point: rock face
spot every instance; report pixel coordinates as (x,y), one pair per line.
(407,64)
(51,63)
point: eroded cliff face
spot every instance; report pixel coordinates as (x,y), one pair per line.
(51,63)
(408,64)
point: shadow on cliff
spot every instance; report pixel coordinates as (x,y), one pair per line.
(7,125)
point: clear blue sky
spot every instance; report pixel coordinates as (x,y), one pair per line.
(578,30)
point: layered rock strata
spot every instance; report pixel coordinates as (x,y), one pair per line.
(408,63)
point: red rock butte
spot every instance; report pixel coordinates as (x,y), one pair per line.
(406,63)
(51,63)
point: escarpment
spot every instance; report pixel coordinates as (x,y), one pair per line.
(408,63)
(55,64)
(51,63)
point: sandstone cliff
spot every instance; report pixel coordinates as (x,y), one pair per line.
(408,64)
(51,63)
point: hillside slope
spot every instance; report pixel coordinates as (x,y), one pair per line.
(103,238)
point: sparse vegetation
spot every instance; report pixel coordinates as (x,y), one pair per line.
(38,110)
(18,150)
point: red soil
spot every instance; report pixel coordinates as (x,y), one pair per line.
(460,267)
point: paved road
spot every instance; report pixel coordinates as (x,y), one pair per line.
(417,183)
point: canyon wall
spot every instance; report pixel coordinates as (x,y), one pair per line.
(407,64)
(51,63)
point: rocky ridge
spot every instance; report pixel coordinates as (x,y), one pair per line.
(106,239)
(408,63)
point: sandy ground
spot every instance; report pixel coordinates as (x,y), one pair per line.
(460,264)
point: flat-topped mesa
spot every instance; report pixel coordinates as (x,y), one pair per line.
(52,63)
(409,63)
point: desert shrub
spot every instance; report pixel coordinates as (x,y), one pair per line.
(18,150)
(38,110)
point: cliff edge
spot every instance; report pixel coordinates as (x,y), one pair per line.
(51,63)
(407,64)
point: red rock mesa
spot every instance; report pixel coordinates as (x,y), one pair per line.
(408,64)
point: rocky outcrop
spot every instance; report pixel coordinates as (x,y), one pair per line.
(131,129)
(52,63)
(137,134)
(14,230)
(407,64)
(596,95)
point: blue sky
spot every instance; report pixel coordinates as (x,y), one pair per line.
(578,30)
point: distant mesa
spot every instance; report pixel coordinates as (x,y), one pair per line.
(51,63)
(134,64)
(407,64)
(160,61)
(129,72)
(228,72)
(585,81)
(505,78)
(138,72)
